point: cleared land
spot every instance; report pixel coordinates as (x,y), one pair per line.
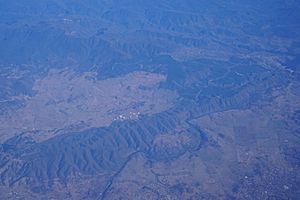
(65,99)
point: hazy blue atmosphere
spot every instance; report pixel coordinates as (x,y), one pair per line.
(153,100)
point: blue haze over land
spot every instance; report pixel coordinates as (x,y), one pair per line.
(161,99)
